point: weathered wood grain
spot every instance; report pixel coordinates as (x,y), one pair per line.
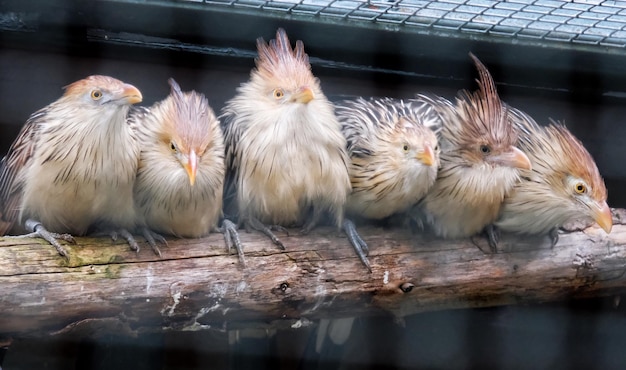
(197,284)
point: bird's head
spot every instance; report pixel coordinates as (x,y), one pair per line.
(413,142)
(100,90)
(283,75)
(575,174)
(189,123)
(481,130)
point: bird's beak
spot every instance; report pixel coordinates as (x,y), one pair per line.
(303,95)
(513,158)
(131,94)
(602,215)
(427,157)
(192,166)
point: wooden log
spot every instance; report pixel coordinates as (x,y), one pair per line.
(198,285)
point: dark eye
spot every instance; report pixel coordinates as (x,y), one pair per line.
(405,147)
(580,188)
(173,146)
(96,94)
(436,148)
(279,93)
(485,149)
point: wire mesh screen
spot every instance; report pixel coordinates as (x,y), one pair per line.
(582,22)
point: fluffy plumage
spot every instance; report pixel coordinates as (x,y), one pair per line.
(180,179)
(284,145)
(73,163)
(479,161)
(564,182)
(393,151)
(285,153)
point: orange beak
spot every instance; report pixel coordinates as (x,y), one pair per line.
(513,158)
(602,215)
(427,156)
(192,166)
(303,95)
(131,94)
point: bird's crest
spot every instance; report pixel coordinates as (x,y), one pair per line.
(90,82)
(277,58)
(553,149)
(482,112)
(576,159)
(191,116)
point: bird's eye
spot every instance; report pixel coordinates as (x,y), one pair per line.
(580,188)
(485,149)
(436,148)
(96,94)
(173,146)
(278,93)
(405,147)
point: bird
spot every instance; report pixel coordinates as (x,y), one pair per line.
(286,158)
(480,162)
(180,179)
(564,183)
(394,154)
(72,166)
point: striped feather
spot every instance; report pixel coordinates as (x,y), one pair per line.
(385,179)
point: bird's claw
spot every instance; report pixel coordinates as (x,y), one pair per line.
(115,234)
(39,231)
(492,234)
(130,239)
(152,238)
(267,230)
(493,237)
(554,236)
(280,228)
(361,248)
(311,222)
(231,237)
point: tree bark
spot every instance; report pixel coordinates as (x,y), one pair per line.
(197,284)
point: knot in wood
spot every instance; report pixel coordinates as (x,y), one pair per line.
(282,289)
(407,287)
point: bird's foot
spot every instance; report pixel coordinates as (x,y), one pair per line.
(39,231)
(231,237)
(152,238)
(125,234)
(492,234)
(267,230)
(493,237)
(554,236)
(311,223)
(361,248)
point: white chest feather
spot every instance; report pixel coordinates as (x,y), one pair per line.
(86,177)
(291,164)
(466,199)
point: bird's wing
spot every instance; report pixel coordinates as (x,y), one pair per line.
(232,134)
(431,110)
(11,169)
(358,118)
(136,119)
(523,123)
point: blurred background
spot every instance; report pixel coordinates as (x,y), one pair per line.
(553,59)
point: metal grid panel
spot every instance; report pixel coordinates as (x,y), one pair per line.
(580,21)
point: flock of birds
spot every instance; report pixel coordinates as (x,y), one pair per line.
(281,154)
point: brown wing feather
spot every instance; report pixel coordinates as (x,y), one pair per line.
(18,157)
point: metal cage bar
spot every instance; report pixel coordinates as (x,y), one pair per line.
(595,22)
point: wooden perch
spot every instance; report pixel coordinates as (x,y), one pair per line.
(197,284)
